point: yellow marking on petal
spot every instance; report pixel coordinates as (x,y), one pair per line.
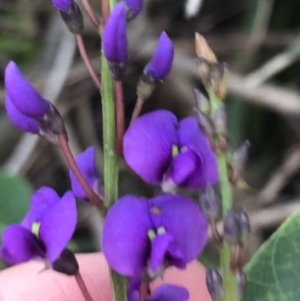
(151,234)
(35,228)
(156,210)
(175,151)
(161,231)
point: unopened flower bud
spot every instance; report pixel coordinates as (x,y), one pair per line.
(214,284)
(115,40)
(240,156)
(161,63)
(133,8)
(231,228)
(210,204)
(245,228)
(204,70)
(220,121)
(236,227)
(73,18)
(218,79)
(66,264)
(202,102)
(203,50)
(241,283)
(205,122)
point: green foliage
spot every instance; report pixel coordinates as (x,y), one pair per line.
(15,194)
(273,274)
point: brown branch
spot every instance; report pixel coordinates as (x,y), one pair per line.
(119,99)
(137,109)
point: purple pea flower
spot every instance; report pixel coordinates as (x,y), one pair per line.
(22,94)
(165,151)
(114,36)
(146,236)
(18,119)
(45,230)
(86,162)
(134,7)
(165,292)
(161,62)
(62,5)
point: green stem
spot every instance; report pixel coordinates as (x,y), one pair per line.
(229,279)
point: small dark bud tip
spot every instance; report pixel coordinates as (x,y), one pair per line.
(214,283)
(116,70)
(210,204)
(73,18)
(66,264)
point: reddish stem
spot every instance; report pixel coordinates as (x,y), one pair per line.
(137,109)
(83,288)
(86,60)
(144,288)
(92,196)
(105,10)
(119,99)
(90,12)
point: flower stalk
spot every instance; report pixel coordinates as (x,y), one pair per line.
(111,172)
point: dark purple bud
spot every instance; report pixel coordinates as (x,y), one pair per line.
(51,125)
(210,204)
(66,264)
(231,228)
(62,5)
(22,94)
(240,156)
(133,8)
(73,18)
(115,39)
(245,227)
(241,283)
(21,121)
(220,120)
(236,227)
(205,122)
(161,62)
(214,284)
(202,102)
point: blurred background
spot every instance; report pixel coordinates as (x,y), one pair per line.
(258,39)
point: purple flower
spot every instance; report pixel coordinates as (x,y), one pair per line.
(161,62)
(114,36)
(134,7)
(163,150)
(165,292)
(45,230)
(147,236)
(86,162)
(18,119)
(62,5)
(22,95)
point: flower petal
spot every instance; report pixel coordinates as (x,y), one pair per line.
(148,144)
(125,241)
(62,5)
(19,245)
(58,225)
(41,201)
(134,7)
(22,94)
(190,136)
(183,167)
(114,37)
(86,162)
(181,218)
(161,62)
(18,119)
(167,292)
(164,247)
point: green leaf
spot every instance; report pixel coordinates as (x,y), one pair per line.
(15,194)
(273,274)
